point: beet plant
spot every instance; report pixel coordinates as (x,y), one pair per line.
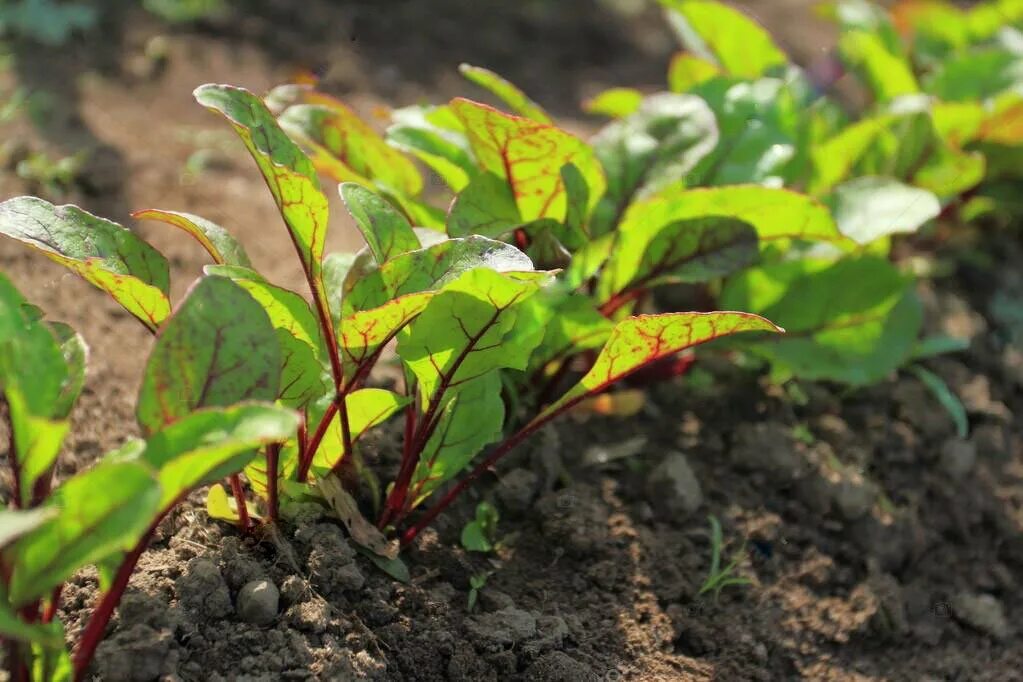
(201,419)
(268,389)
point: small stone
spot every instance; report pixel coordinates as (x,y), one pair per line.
(673,489)
(506,627)
(957,457)
(767,447)
(854,496)
(257,602)
(517,489)
(982,612)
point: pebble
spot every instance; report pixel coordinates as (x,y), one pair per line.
(517,489)
(982,612)
(957,457)
(508,627)
(257,602)
(673,489)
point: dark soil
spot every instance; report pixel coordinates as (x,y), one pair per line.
(878,545)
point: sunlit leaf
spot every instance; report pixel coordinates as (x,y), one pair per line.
(430,268)
(529,155)
(386,231)
(687,71)
(103,253)
(464,331)
(485,207)
(506,92)
(777,215)
(367,407)
(217,241)
(614,102)
(288,172)
(363,333)
(656,146)
(329,123)
(871,207)
(715,31)
(976,75)
(888,74)
(429,135)
(689,250)
(638,341)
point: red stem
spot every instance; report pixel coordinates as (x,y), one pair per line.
(314,442)
(51,609)
(239,498)
(612,305)
(13,460)
(101,615)
(503,449)
(273,456)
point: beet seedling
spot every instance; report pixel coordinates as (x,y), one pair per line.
(198,428)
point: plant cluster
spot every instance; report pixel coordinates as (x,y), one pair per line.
(740,188)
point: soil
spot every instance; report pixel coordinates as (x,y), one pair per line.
(877,544)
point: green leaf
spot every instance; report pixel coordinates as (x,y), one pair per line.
(777,215)
(529,155)
(302,350)
(946,397)
(367,407)
(715,31)
(13,628)
(101,252)
(576,325)
(76,356)
(485,207)
(686,71)
(386,231)
(464,331)
(870,208)
(363,333)
(217,349)
(977,75)
(470,419)
(758,123)
(36,383)
(834,158)
(16,522)
(887,74)
(430,268)
(218,242)
(690,250)
(479,534)
(577,195)
(256,472)
(854,320)
(614,102)
(658,145)
(428,133)
(101,511)
(638,341)
(289,174)
(330,124)
(939,344)
(949,172)
(210,444)
(506,92)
